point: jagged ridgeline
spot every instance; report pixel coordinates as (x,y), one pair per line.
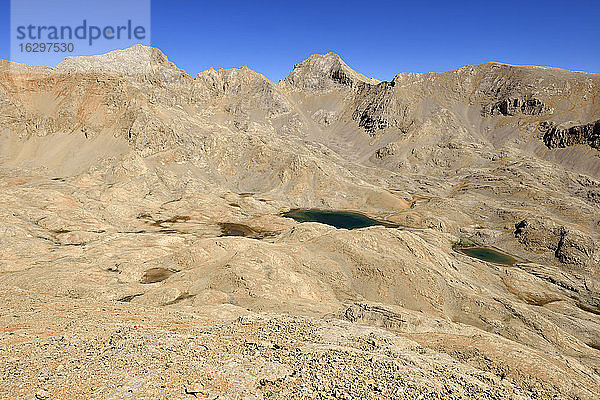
(136,95)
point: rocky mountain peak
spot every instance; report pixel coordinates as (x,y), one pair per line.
(224,79)
(241,89)
(136,60)
(323,72)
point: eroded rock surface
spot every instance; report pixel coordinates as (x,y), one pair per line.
(517,106)
(145,252)
(556,136)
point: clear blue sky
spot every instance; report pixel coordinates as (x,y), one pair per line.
(377,38)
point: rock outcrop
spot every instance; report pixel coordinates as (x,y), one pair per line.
(379,107)
(569,246)
(239,91)
(517,106)
(320,73)
(560,136)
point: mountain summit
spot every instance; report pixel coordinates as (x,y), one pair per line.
(138,60)
(321,72)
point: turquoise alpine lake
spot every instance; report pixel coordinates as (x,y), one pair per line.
(488,254)
(339,219)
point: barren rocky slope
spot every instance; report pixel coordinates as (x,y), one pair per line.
(123,179)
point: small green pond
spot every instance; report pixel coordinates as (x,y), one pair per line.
(339,219)
(488,254)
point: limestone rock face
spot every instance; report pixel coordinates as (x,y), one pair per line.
(251,90)
(325,72)
(556,136)
(138,61)
(569,246)
(379,108)
(512,107)
(142,230)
